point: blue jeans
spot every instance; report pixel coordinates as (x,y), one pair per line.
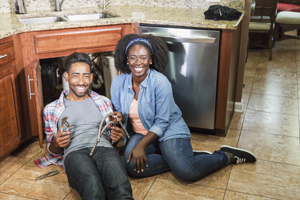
(101,176)
(176,155)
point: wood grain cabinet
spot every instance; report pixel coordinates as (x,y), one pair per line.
(10,125)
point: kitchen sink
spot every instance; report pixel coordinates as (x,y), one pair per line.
(42,20)
(92,16)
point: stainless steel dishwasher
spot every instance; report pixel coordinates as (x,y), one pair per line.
(192,71)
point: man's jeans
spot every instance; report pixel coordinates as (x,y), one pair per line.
(98,177)
(176,155)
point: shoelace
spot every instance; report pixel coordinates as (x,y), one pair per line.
(239,160)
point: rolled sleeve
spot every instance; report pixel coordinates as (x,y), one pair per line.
(157,131)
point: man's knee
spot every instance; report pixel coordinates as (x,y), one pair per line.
(92,187)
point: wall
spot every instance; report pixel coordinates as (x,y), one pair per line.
(7,6)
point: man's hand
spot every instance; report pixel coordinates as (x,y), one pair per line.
(61,139)
(119,116)
(116,133)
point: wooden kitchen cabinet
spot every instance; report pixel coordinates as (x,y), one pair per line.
(10,124)
(32,46)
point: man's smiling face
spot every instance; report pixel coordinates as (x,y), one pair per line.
(79,78)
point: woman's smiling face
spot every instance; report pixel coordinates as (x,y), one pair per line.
(139,60)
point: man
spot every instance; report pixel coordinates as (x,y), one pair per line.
(103,174)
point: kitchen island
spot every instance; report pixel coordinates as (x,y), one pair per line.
(32,42)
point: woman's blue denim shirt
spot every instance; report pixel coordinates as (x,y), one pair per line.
(156,106)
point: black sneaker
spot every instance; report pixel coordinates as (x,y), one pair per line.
(240,155)
(196,153)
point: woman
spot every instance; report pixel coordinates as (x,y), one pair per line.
(160,139)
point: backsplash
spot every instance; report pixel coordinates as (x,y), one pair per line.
(7,6)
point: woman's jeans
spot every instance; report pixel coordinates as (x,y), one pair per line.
(176,155)
(98,177)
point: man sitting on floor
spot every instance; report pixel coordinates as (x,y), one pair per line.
(103,174)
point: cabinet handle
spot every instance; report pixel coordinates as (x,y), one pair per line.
(3,56)
(30,94)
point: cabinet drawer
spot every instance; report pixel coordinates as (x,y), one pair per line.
(72,40)
(6,53)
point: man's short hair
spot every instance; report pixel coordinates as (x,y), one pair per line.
(75,58)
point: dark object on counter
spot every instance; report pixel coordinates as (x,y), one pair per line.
(217,12)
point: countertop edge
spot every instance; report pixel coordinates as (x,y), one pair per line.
(121,19)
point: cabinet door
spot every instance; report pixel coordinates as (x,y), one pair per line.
(10,132)
(36,103)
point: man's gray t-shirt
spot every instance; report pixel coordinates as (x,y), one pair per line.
(84,118)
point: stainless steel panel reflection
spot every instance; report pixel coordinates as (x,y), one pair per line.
(192,70)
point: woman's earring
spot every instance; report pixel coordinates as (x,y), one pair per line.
(127,63)
(151,63)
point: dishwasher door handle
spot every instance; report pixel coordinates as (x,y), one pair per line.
(203,39)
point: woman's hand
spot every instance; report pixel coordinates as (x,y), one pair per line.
(138,156)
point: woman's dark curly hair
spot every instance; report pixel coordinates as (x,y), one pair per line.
(160,54)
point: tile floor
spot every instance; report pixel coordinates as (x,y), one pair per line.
(269,127)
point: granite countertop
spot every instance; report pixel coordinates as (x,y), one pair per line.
(10,24)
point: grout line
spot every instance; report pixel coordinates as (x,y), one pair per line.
(273,95)
(252,194)
(68,193)
(20,167)
(297,90)
(17,195)
(150,187)
(274,112)
(228,181)
(279,163)
(193,182)
(270,133)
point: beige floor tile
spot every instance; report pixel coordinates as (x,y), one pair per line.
(23,182)
(17,159)
(140,187)
(173,190)
(254,54)
(238,119)
(246,96)
(264,85)
(250,67)
(217,179)
(270,147)
(278,65)
(278,75)
(274,104)
(268,179)
(298,67)
(279,124)
(298,88)
(288,43)
(73,195)
(212,142)
(280,54)
(4,196)
(248,81)
(229,195)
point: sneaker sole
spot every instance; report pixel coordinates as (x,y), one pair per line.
(237,152)
(201,152)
